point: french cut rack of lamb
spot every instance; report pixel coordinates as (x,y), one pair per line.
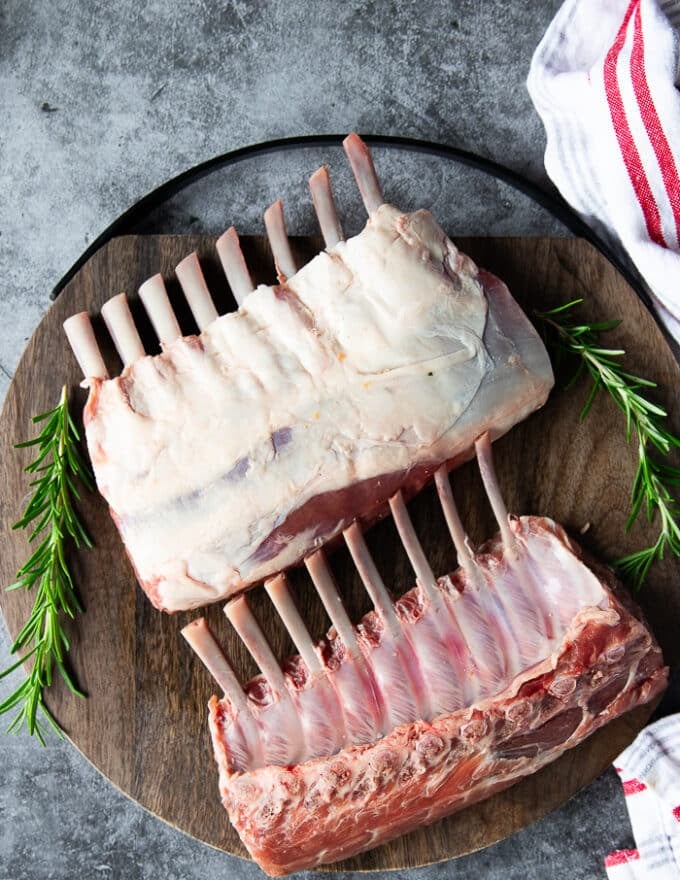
(233,454)
(464,685)
(336,394)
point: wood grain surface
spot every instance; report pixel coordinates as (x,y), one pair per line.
(144,724)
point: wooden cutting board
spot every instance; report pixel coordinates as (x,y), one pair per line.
(144,724)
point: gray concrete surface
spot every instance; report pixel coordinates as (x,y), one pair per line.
(100,103)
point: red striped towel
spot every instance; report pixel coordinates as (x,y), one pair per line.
(650,774)
(604,81)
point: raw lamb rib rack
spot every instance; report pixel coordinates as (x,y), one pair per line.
(337,394)
(355,377)
(461,687)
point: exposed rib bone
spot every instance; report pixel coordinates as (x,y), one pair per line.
(288,736)
(155,298)
(363,169)
(245,740)
(413,547)
(371,578)
(461,542)
(328,592)
(190,276)
(234,265)
(395,663)
(437,660)
(460,612)
(486,469)
(120,324)
(530,586)
(242,619)
(324,205)
(321,701)
(363,704)
(204,643)
(278,239)
(278,591)
(80,335)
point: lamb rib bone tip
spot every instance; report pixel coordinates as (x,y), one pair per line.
(493,491)
(361,162)
(324,207)
(464,549)
(157,304)
(413,547)
(193,284)
(275,225)
(279,593)
(199,635)
(324,584)
(122,329)
(234,264)
(370,578)
(242,619)
(79,332)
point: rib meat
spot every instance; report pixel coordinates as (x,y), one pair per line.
(542,650)
(458,689)
(233,454)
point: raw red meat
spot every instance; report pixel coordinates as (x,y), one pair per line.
(325,400)
(599,661)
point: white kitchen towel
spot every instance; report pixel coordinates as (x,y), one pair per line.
(604,81)
(650,775)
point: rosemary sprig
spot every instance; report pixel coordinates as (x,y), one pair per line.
(49,514)
(653,478)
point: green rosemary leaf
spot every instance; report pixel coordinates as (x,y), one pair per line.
(638,499)
(577,375)
(559,309)
(645,419)
(51,516)
(43,416)
(17,664)
(26,443)
(591,397)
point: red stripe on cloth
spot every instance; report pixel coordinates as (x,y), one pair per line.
(629,152)
(633,786)
(621,857)
(652,123)
(676,813)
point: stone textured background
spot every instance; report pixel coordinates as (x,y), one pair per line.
(102,102)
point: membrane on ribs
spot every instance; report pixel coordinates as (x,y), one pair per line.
(462,686)
(233,454)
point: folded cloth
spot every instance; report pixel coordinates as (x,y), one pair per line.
(603,79)
(650,775)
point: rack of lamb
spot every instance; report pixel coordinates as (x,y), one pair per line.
(323,403)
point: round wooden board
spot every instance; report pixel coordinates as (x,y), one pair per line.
(144,723)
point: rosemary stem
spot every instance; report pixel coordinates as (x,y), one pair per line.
(652,482)
(50,513)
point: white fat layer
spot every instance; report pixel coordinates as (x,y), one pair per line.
(378,355)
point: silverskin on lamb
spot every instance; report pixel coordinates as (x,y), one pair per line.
(234,453)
